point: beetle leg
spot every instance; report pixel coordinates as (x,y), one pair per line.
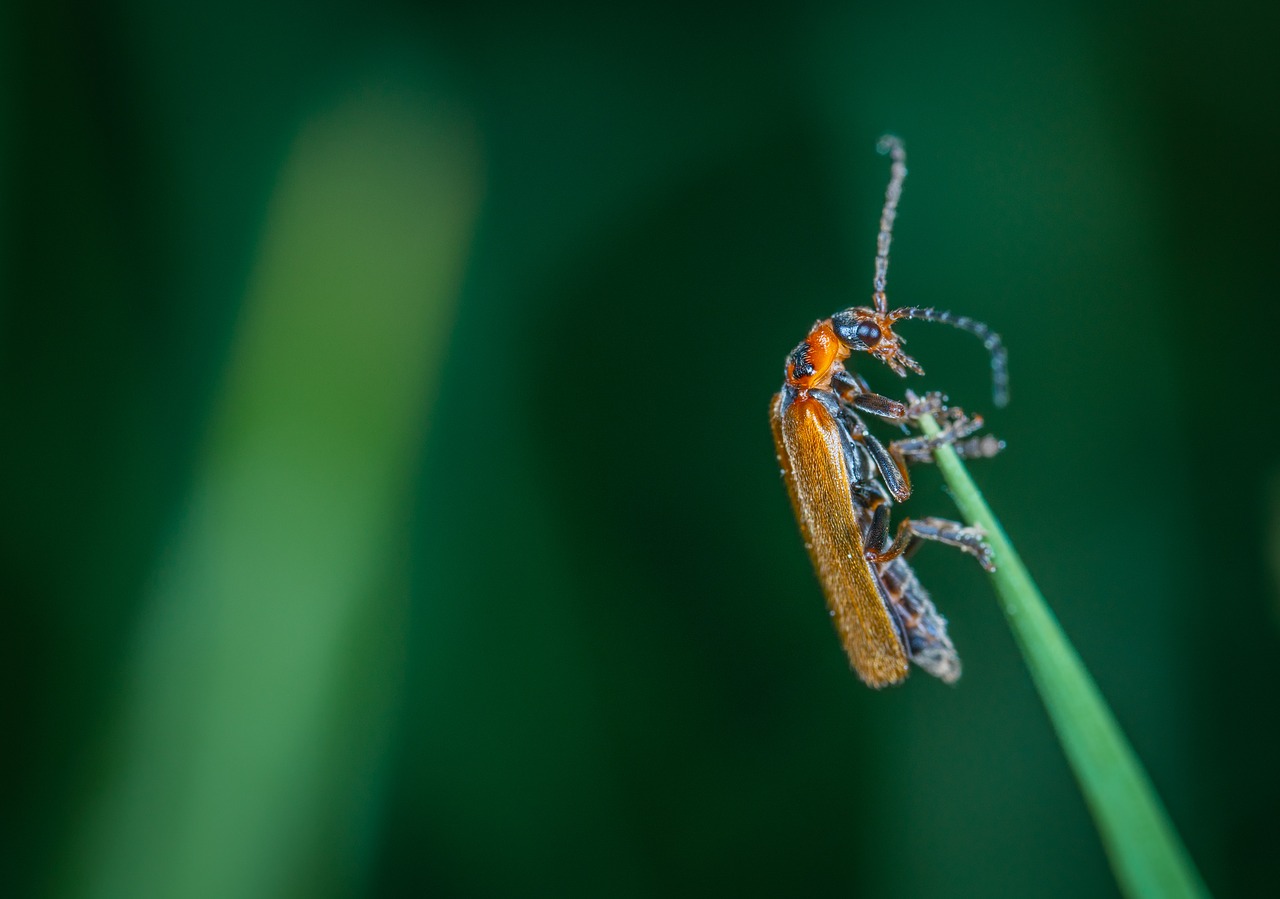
(876,404)
(983,447)
(882,406)
(848,384)
(932,403)
(856,460)
(854,390)
(956,427)
(892,465)
(952,533)
(878,530)
(892,460)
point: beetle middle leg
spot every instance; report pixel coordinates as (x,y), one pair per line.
(853,389)
(892,460)
(956,427)
(983,447)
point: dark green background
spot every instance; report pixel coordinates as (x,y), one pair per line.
(599,662)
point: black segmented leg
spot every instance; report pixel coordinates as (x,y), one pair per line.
(882,406)
(956,426)
(878,531)
(853,389)
(932,403)
(891,461)
(892,465)
(913,530)
(983,447)
(921,449)
(853,431)
(848,384)
(856,460)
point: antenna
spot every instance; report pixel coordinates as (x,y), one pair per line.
(990,339)
(897,174)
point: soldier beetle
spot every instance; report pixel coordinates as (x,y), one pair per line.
(843,481)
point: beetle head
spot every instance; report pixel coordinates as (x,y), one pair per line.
(865,330)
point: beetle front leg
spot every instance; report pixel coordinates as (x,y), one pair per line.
(932,403)
(854,390)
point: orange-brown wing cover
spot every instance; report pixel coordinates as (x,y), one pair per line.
(813,467)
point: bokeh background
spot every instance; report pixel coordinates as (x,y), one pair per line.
(389,507)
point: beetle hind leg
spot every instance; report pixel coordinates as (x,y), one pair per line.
(914,530)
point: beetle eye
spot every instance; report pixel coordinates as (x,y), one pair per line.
(868,333)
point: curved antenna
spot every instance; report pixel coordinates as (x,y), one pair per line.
(897,173)
(990,339)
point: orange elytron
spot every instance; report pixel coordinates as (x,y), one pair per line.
(843,481)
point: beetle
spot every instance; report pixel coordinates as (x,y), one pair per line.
(843,481)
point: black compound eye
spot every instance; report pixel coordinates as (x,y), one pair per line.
(868,333)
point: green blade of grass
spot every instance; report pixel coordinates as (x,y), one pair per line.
(1145,852)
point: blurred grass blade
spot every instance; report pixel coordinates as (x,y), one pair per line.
(1146,854)
(264,668)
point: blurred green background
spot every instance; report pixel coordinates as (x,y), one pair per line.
(389,507)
